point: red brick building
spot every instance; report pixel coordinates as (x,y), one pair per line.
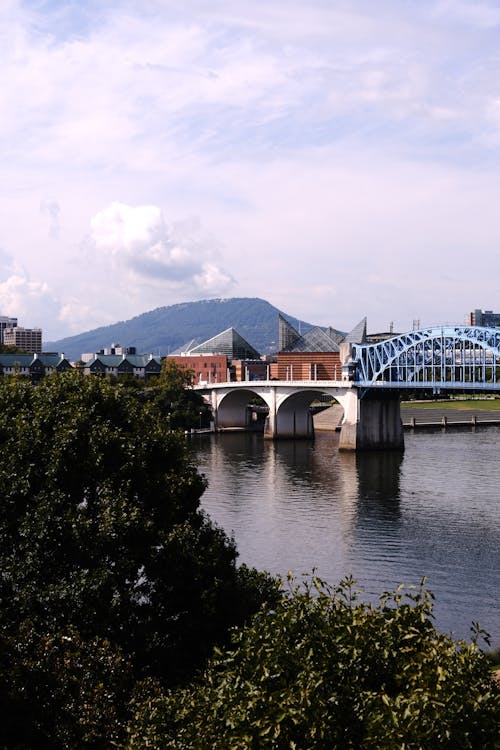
(207,368)
(309,366)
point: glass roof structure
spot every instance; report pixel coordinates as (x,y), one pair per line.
(358,333)
(230,343)
(317,339)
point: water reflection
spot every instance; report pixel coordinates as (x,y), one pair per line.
(384,517)
(379,474)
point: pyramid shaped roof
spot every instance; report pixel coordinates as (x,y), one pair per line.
(230,343)
(358,333)
(337,336)
(315,340)
(287,334)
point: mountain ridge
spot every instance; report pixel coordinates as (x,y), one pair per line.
(165,329)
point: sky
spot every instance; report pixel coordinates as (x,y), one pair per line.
(336,158)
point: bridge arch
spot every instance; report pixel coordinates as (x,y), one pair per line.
(456,357)
(232,408)
(293,416)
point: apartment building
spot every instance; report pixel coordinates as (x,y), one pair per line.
(27,339)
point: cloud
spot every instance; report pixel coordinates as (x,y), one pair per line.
(138,238)
(30,302)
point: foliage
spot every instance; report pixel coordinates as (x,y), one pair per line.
(11,349)
(59,690)
(102,542)
(324,670)
(175,400)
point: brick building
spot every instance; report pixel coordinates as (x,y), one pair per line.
(314,355)
(206,368)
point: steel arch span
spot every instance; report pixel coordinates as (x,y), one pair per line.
(444,357)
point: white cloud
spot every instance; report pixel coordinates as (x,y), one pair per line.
(29,301)
(138,237)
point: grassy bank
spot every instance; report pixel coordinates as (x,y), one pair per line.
(475,404)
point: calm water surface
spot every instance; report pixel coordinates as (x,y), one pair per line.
(382,517)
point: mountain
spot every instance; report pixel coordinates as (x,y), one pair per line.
(165,329)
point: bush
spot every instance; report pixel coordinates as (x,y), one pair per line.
(324,670)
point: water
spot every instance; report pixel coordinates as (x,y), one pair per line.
(382,517)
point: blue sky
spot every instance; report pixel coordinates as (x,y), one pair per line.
(339,159)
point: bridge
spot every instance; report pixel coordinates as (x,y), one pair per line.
(436,359)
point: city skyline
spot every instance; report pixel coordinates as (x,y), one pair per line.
(336,158)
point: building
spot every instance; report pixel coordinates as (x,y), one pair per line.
(486,318)
(34,366)
(113,349)
(6,322)
(224,357)
(314,355)
(143,366)
(206,368)
(27,339)
(230,343)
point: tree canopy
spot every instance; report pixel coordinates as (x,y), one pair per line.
(111,573)
(324,670)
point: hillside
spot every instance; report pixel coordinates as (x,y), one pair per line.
(165,329)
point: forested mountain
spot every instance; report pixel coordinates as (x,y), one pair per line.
(165,329)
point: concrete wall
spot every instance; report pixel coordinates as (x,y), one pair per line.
(375,426)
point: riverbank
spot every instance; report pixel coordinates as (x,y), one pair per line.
(426,414)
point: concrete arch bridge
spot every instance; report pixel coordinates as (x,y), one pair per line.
(439,359)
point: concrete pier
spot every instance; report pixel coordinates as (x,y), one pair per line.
(292,420)
(372,422)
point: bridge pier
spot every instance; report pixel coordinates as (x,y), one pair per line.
(295,422)
(292,425)
(371,422)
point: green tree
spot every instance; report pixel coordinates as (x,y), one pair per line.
(323,670)
(102,541)
(176,401)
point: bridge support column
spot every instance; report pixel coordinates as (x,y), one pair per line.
(292,421)
(372,422)
(270,424)
(215,415)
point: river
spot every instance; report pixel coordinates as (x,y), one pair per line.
(385,518)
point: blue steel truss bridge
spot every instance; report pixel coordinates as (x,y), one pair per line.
(439,358)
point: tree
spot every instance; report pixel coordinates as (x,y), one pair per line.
(176,401)
(102,542)
(323,670)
